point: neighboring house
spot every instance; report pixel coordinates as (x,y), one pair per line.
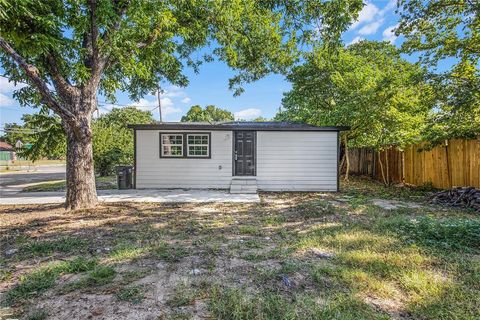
(7,153)
(273,156)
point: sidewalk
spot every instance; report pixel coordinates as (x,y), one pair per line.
(146,195)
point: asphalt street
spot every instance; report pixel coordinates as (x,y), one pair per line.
(15,181)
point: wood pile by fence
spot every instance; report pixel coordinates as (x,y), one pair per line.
(455,163)
(466,197)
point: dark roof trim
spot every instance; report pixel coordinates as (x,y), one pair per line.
(232,126)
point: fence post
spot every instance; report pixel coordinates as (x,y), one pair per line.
(449,179)
(402,178)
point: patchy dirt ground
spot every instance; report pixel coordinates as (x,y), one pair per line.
(293,256)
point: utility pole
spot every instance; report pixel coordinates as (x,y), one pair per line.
(159,103)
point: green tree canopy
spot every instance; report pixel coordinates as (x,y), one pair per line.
(42,131)
(366,86)
(260,119)
(445,32)
(69,51)
(113,140)
(14,132)
(210,113)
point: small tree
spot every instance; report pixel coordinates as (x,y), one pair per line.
(47,136)
(14,132)
(210,114)
(44,134)
(113,140)
(68,51)
(366,86)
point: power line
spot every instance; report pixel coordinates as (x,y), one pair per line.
(23,132)
(102,105)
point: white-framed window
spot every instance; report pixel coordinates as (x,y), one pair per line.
(198,145)
(171,145)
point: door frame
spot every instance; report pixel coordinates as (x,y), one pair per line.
(254,153)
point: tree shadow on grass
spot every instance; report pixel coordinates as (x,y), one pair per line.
(271,242)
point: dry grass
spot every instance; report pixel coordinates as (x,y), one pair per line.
(293,256)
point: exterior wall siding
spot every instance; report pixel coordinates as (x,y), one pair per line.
(156,172)
(296,161)
(285,161)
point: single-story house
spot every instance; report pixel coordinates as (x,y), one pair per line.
(7,152)
(240,156)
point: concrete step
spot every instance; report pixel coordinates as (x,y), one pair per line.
(233,190)
(237,181)
(243,185)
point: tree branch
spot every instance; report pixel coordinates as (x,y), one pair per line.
(94,52)
(120,10)
(34,75)
(59,81)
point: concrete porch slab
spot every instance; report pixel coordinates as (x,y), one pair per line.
(144,195)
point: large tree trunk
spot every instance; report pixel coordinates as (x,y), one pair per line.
(81,191)
(74,104)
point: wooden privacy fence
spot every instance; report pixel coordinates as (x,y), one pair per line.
(455,163)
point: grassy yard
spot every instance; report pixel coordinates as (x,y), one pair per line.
(6,166)
(102,183)
(293,256)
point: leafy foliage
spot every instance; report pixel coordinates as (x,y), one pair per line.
(260,119)
(211,113)
(113,140)
(145,42)
(49,142)
(366,86)
(13,133)
(42,131)
(444,30)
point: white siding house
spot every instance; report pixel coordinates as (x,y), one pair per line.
(242,156)
(155,172)
(297,160)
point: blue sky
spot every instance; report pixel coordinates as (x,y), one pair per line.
(262,98)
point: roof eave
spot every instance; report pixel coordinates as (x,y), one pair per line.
(215,127)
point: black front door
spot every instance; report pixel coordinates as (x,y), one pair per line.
(244,153)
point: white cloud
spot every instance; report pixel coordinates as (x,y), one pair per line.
(371,17)
(147,104)
(368,12)
(6,101)
(7,86)
(6,90)
(392,4)
(168,107)
(370,28)
(173,92)
(355,40)
(248,114)
(167,110)
(389,34)
(186,100)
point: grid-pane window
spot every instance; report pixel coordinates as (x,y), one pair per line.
(172,145)
(198,145)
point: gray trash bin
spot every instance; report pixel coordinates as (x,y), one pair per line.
(124,177)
